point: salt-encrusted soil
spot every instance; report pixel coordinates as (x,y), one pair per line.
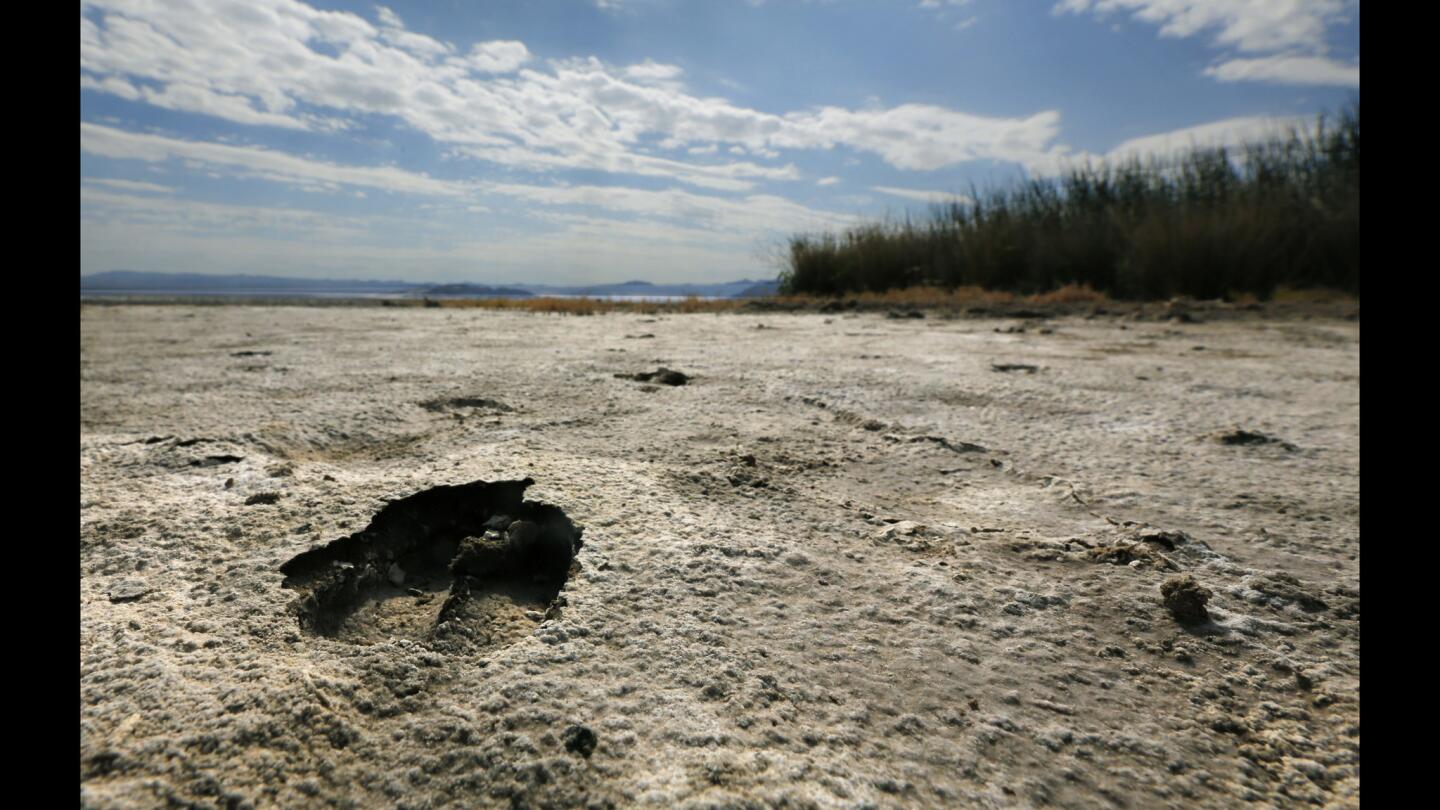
(849,564)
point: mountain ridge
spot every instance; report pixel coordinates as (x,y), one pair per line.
(141,282)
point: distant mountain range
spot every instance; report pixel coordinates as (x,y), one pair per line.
(745,288)
(143,283)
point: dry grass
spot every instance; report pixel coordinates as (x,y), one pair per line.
(922,297)
(1282,212)
(1069,294)
(1293,295)
(929,297)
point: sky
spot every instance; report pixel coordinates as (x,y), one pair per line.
(594,141)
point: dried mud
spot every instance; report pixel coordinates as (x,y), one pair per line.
(847,565)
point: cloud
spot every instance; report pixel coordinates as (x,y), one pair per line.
(199,98)
(254,161)
(1229,133)
(499,56)
(99,207)
(129,185)
(756,213)
(112,85)
(283,63)
(650,70)
(1288,70)
(925,137)
(827,181)
(393,31)
(1249,25)
(1290,35)
(923,195)
(388,17)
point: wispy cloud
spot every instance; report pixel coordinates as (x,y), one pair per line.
(755,214)
(1229,133)
(128,185)
(923,195)
(499,56)
(1249,25)
(747,217)
(1288,70)
(1291,34)
(254,161)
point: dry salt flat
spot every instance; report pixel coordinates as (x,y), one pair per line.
(852,561)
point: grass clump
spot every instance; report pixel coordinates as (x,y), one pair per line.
(1210,223)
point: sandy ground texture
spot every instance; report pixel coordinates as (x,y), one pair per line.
(854,562)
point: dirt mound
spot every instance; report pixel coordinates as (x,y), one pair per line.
(1185,599)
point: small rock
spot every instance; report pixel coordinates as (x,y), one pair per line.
(905,527)
(1167,540)
(664,376)
(1185,598)
(1248,438)
(128,590)
(262,498)
(396,575)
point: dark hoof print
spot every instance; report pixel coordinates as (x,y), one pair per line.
(468,566)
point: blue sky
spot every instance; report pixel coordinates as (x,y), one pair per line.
(587,141)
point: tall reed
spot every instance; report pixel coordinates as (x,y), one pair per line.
(1208,223)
